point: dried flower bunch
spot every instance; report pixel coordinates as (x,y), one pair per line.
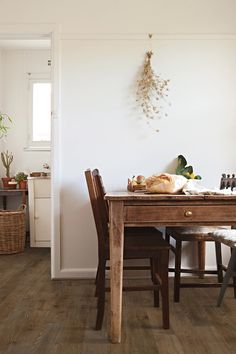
(152,91)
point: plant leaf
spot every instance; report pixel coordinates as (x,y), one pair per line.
(181,164)
(182,161)
(188,169)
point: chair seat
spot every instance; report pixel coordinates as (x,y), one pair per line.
(228,237)
(197,233)
(147,230)
(148,242)
(195,229)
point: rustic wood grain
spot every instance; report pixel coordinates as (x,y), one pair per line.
(129,196)
(116,264)
(40,316)
(171,213)
(140,209)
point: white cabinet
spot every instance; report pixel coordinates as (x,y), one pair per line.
(39,189)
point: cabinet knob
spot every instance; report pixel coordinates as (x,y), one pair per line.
(36,217)
(188,213)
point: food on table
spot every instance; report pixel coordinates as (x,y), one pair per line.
(165,183)
(136,183)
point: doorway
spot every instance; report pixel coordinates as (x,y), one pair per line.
(30,56)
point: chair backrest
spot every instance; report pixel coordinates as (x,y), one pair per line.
(227,181)
(99,206)
(103,204)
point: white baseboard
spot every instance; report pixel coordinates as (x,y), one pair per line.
(90,273)
(76,273)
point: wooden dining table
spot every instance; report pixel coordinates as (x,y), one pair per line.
(142,209)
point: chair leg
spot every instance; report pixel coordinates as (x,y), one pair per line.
(167,237)
(234,276)
(96,282)
(163,264)
(219,261)
(100,295)
(201,257)
(234,283)
(178,250)
(154,269)
(230,270)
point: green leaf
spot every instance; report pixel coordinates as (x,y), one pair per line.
(3,126)
(188,169)
(183,169)
(182,161)
(181,164)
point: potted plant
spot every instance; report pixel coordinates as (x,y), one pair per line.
(21,179)
(4,120)
(7,159)
(184,170)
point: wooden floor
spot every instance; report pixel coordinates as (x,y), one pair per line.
(38,315)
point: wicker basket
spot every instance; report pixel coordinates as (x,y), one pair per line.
(12,231)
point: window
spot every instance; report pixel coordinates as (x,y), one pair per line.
(39,136)
(41,111)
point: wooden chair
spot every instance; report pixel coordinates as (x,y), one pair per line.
(227,237)
(200,235)
(139,243)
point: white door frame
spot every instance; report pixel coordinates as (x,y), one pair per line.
(37,31)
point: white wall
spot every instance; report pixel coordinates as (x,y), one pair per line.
(1,83)
(100,125)
(16,64)
(203,82)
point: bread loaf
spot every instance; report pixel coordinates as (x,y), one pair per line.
(165,183)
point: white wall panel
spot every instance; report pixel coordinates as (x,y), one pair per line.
(102,126)
(99,120)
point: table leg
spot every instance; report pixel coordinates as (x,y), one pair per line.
(116,264)
(24,197)
(4,202)
(201,257)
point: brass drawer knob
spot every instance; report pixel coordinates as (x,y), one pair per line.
(188,213)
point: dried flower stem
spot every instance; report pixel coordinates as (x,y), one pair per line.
(152,90)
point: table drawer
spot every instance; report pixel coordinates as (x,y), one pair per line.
(152,213)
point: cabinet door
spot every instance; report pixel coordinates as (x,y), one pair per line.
(42,216)
(42,188)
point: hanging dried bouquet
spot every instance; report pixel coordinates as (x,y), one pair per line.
(152,92)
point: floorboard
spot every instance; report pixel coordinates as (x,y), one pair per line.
(38,315)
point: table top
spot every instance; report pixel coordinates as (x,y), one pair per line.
(128,196)
(11,191)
